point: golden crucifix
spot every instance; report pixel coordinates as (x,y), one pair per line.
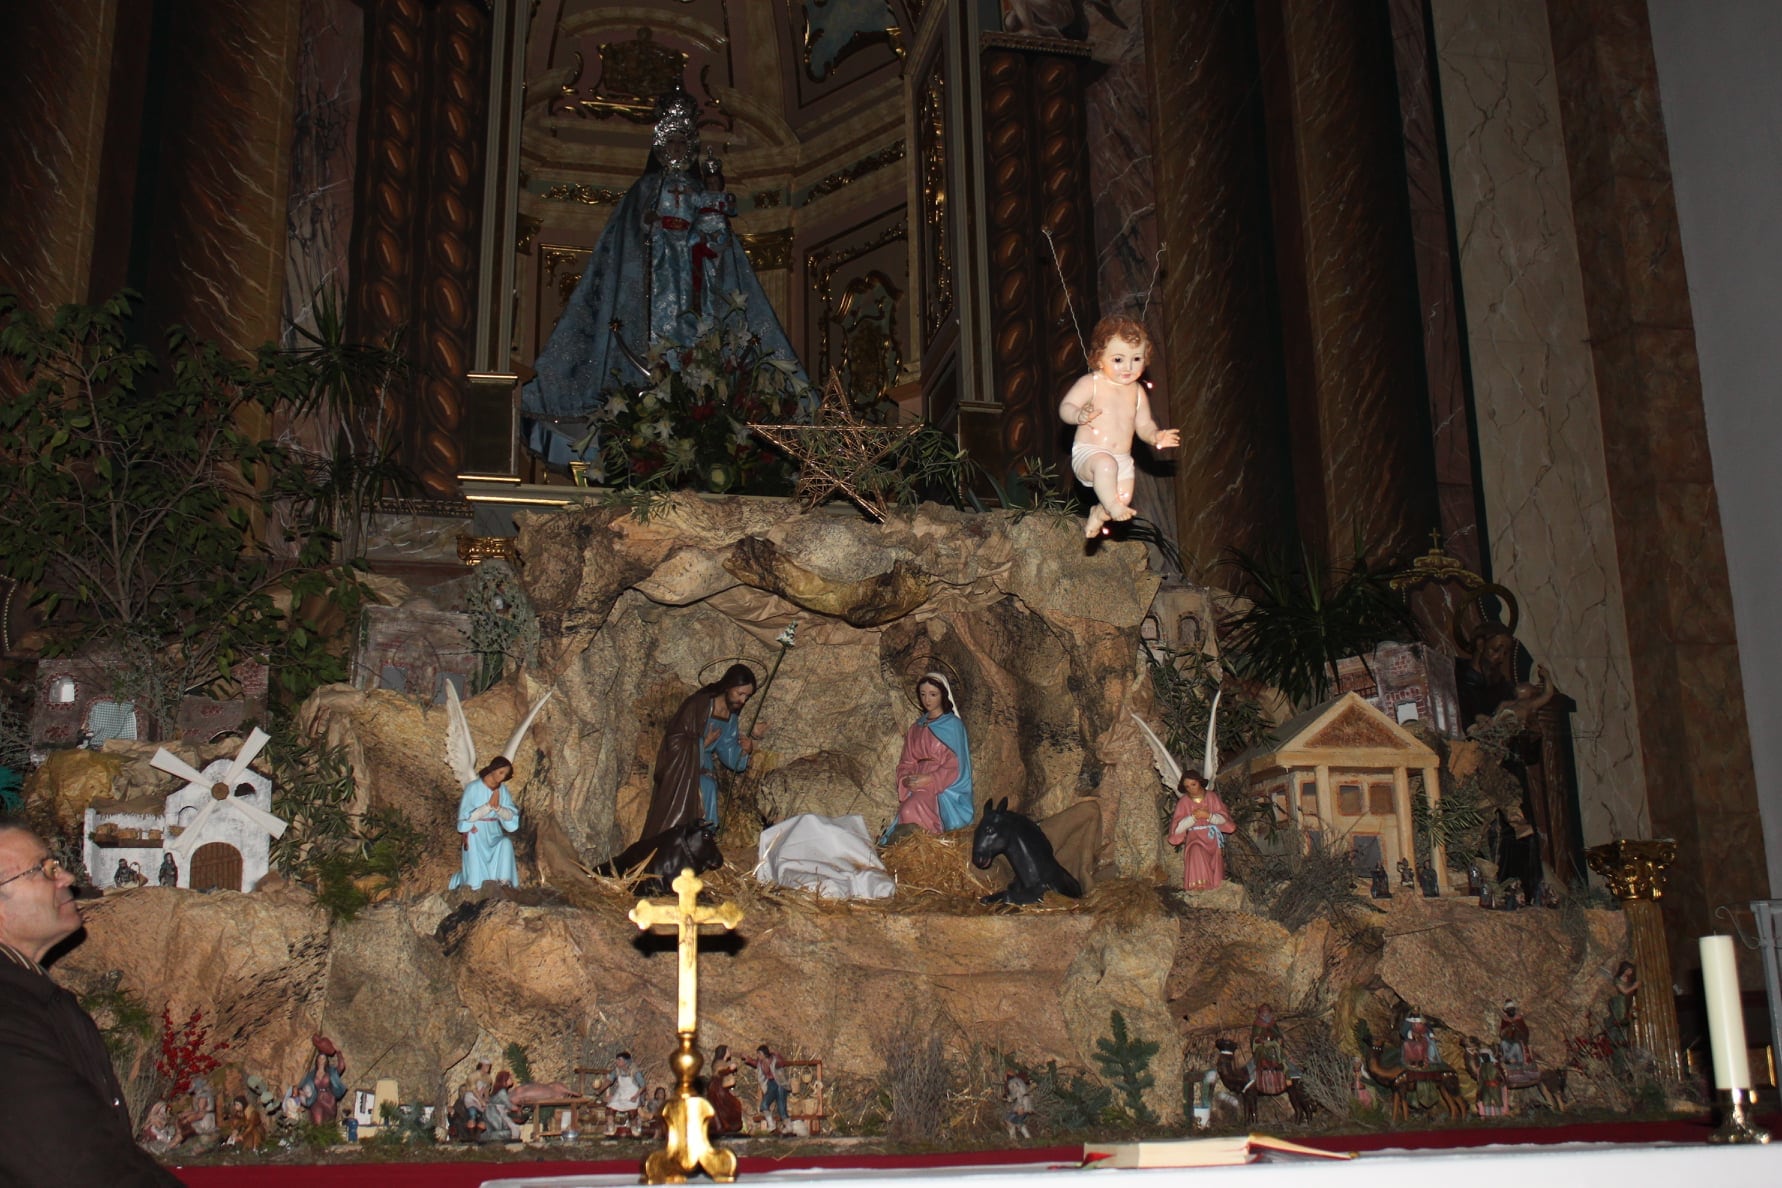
(688,1146)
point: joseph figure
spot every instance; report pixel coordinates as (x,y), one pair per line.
(705,731)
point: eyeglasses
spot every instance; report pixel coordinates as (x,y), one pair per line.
(49,868)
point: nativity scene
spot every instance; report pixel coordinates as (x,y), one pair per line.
(709,673)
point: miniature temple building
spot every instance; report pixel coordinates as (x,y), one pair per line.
(77,701)
(1341,774)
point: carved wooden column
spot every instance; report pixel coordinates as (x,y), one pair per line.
(55,84)
(419,196)
(1635,872)
(1233,481)
(1036,183)
(216,255)
(1358,413)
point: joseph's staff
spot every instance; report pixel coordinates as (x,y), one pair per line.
(785,639)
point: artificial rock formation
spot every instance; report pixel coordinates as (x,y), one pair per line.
(1038,636)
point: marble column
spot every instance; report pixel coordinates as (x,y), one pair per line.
(55,80)
(1356,388)
(1687,687)
(217,256)
(1636,874)
(1233,482)
(1542,468)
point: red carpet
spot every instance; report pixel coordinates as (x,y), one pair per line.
(472,1173)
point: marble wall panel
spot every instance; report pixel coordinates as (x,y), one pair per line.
(1542,463)
(55,71)
(1535,408)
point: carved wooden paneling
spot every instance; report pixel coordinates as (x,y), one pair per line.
(420,177)
(1036,187)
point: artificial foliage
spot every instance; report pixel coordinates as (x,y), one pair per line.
(1305,616)
(1125,1062)
(137,494)
(187,1051)
(687,427)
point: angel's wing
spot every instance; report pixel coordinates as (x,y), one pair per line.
(1210,768)
(519,736)
(1167,768)
(460,748)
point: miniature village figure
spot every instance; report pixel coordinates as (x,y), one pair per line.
(159,1132)
(934,790)
(703,732)
(169,873)
(1418,1043)
(1493,1097)
(624,1095)
(1406,876)
(766,1062)
(1380,883)
(1426,878)
(128,874)
(720,1090)
(1618,1018)
(1199,825)
(200,1119)
(247,1124)
(1109,407)
(486,815)
(323,1086)
(499,1112)
(656,1123)
(1017,1095)
(1512,1035)
(1269,1067)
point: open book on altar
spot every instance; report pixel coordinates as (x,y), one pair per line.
(1201,1152)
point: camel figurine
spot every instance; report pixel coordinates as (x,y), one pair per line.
(1512,1079)
(1411,1088)
(1249,1090)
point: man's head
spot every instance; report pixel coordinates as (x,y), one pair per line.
(37,909)
(736,686)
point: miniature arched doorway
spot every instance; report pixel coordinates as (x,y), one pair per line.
(216,866)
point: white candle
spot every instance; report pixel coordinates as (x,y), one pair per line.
(1726,1019)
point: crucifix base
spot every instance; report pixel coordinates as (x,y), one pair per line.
(687,1116)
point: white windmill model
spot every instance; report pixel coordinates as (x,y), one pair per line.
(222,817)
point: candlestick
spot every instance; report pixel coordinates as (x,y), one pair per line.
(1726,1019)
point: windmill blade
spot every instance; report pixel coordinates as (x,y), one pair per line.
(189,834)
(172,764)
(1168,770)
(1210,768)
(460,748)
(519,736)
(250,750)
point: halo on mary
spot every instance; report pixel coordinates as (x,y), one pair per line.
(919,666)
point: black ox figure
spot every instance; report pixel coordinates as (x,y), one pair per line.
(1028,850)
(658,859)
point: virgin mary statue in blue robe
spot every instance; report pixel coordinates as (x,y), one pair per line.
(666,268)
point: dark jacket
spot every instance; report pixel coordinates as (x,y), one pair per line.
(75,1129)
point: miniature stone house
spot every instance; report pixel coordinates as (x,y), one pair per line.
(1342,774)
(415,652)
(1407,682)
(232,852)
(77,695)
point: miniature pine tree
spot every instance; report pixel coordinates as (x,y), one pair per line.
(1125,1061)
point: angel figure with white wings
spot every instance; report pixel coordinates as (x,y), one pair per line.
(1200,821)
(487,814)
